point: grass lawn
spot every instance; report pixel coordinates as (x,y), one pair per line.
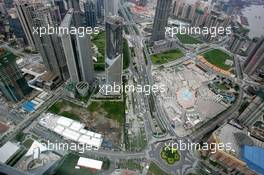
(99,41)
(222,87)
(56,109)
(126,56)
(167,56)
(99,66)
(115,109)
(70,115)
(187,39)
(68,167)
(16,157)
(169,155)
(218,57)
(130,164)
(155,170)
(27,143)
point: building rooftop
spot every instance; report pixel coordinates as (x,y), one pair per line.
(117,20)
(35,145)
(6,57)
(90,163)
(7,151)
(199,11)
(82,85)
(254,157)
(71,129)
(235,136)
(260,94)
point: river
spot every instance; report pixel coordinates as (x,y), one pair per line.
(255,16)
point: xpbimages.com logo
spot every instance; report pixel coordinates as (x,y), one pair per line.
(146,89)
(61,30)
(212,147)
(71,146)
(183,30)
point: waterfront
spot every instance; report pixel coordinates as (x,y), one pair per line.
(255,16)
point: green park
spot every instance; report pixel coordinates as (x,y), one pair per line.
(187,39)
(218,58)
(170,155)
(166,57)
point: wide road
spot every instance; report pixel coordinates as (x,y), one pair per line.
(155,144)
(27,121)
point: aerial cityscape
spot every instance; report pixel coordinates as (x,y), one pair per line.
(132,87)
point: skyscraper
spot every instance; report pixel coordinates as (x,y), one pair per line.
(8,3)
(75,5)
(251,45)
(78,52)
(12,82)
(255,59)
(90,13)
(161,19)
(100,8)
(26,13)
(61,6)
(214,19)
(114,57)
(49,45)
(198,18)
(111,7)
(236,43)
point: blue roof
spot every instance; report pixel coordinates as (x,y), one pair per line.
(254,157)
(29,106)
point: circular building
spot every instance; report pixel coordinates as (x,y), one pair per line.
(186,98)
(82,88)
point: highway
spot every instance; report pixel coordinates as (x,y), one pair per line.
(145,77)
(28,120)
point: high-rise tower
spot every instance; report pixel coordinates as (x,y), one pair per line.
(78,52)
(26,13)
(236,43)
(198,18)
(161,19)
(12,82)
(255,59)
(60,4)
(114,58)
(49,45)
(75,5)
(90,13)
(100,8)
